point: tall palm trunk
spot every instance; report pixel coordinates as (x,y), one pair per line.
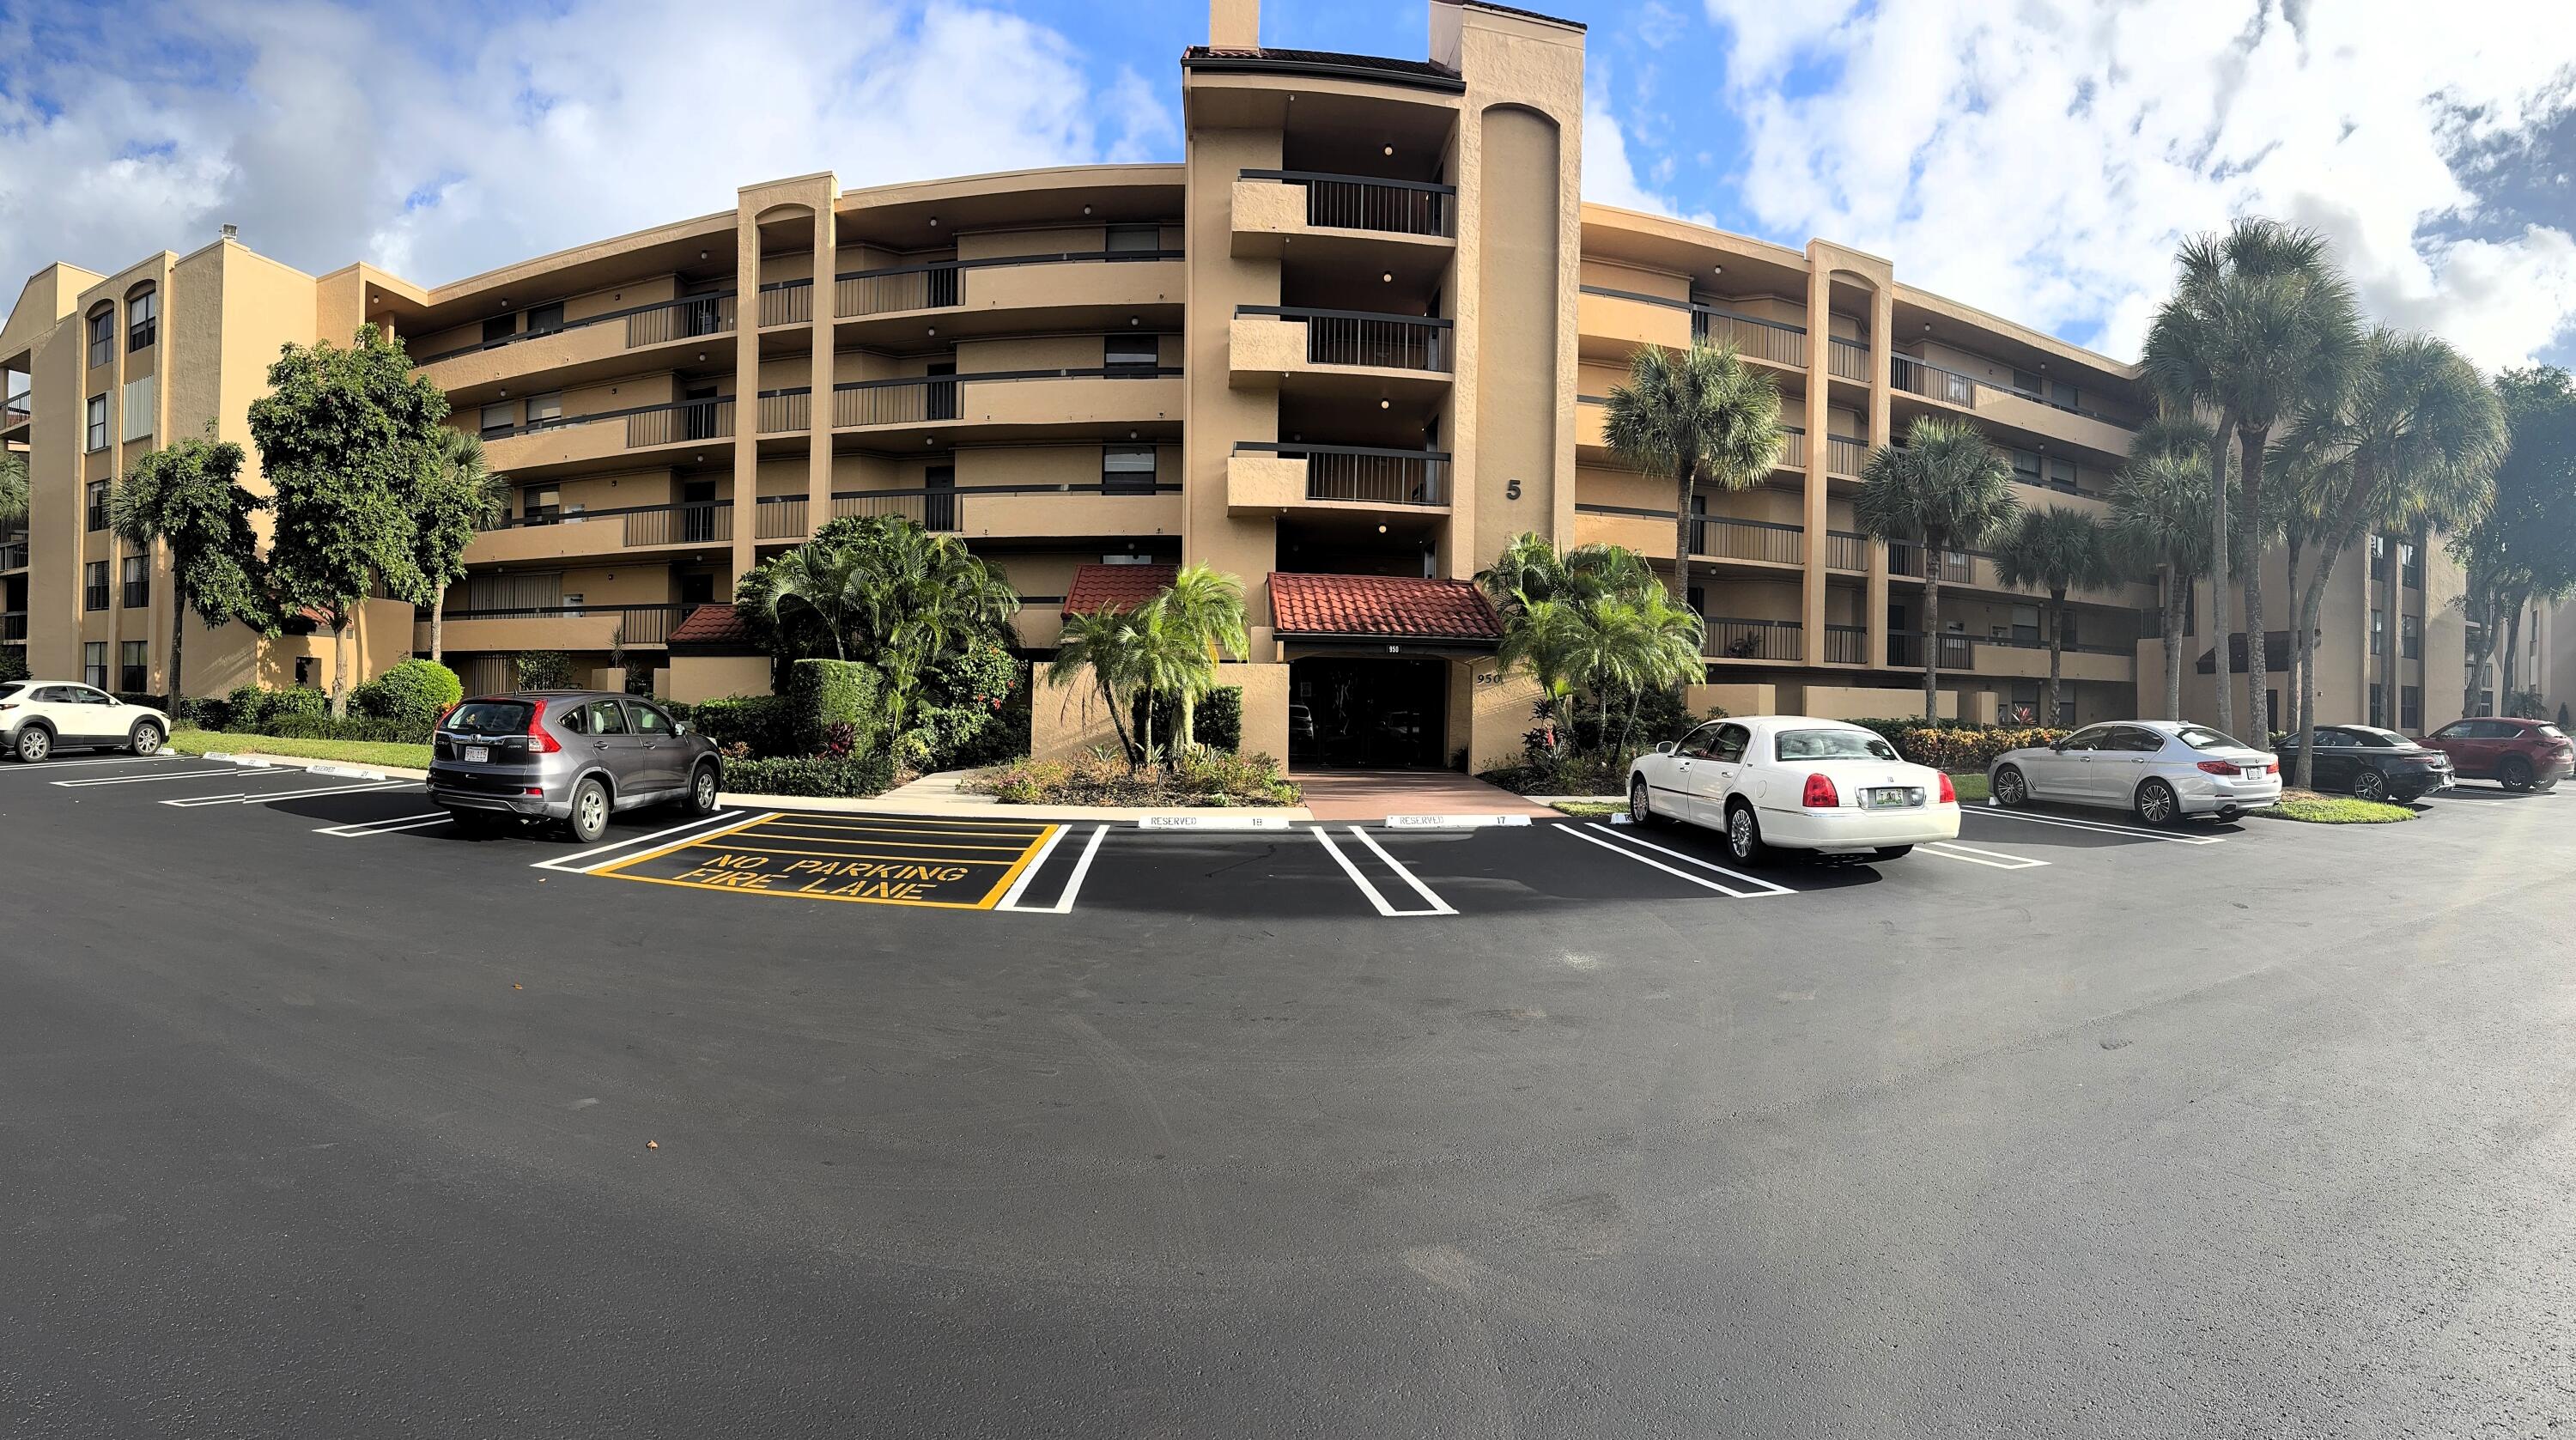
(2311,604)
(2298,652)
(340,667)
(178,636)
(2480,658)
(438,628)
(1682,536)
(2056,648)
(2218,566)
(2177,589)
(2512,652)
(1933,550)
(2249,503)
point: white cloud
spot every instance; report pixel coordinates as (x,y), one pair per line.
(333,135)
(1610,178)
(2042,159)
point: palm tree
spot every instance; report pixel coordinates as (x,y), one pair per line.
(1946,486)
(2158,504)
(1618,647)
(458,497)
(13,488)
(822,582)
(1104,645)
(2413,446)
(1532,583)
(2262,327)
(2056,550)
(1203,605)
(1701,416)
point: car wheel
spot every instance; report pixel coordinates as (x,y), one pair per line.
(1891,852)
(35,743)
(2370,785)
(2543,787)
(2011,790)
(2156,803)
(1641,811)
(146,739)
(702,791)
(589,818)
(1744,835)
(2516,773)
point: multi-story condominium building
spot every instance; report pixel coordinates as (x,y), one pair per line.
(1357,339)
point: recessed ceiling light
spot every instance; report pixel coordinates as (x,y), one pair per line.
(1389,150)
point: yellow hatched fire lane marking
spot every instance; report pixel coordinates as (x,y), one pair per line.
(864,875)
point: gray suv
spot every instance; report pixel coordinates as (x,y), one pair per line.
(569,755)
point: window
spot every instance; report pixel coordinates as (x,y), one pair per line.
(142,320)
(1131,355)
(2026,467)
(500,328)
(98,422)
(94,586)
(2378,630)
(1731,740)
(1132,239)
(499,420)
(939,498)
(2097,738)
(2410,637)
(131,662)
(303,669)
(2378,704)
(545,409)
(2272,712)
(2378,553)
(572,605)
(2410,708)
(2065,396)
(1127,469)
(94,664)
(2025,625)
(1831,745)
(97,495)
(2061,474)
(540,504)
(137,580)
(2201,737)
(102,337)
(2027,382)
(649,722)
(1699,744)
(545,319)
(2410,565)
(607,717)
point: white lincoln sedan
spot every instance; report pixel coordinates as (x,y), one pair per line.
(1793,783)
(2158,770)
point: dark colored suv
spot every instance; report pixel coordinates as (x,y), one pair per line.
(569,755)
(2517,754)
(2372,763)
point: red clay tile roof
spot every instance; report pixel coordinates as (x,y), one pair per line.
(1115,587)
(1387,605)
(711,625)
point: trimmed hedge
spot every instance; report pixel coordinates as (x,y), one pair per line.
(356,727)
(1956,746)
(866,773)
(825,693)
(761,724)
(412,694)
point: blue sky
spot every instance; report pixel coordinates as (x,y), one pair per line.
(2038,158)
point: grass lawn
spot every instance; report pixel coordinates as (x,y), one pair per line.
(352,752)
(1590,809)
(1971,785)
(2316,809)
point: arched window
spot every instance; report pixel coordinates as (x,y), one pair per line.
(142,317)
(102,333)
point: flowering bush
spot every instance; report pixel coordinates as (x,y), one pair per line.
(1962,747)
(1101,777)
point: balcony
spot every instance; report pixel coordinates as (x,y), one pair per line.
(1069,291)
(1905,652)
(1261,477)
(2028,660)
(603,532)
(1753,338)
(1614,322)
(1106,507)
(555,627)
(1343,220)
(2020,410)
(13,556)
(586,346)
(1846,644)
(16,413)
(1906,560)
(1846,550)
(1845,456)
(1730,639)
(1341,355)
(780,517)
(786,411)
(13,627)
(1000,404)
(786,302)
(1765,542)
(574,439)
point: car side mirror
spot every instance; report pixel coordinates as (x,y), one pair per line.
(112,700)
(2058,745)
(1666,748)
(679,727)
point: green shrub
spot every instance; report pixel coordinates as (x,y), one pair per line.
(1969,747)
(543,670)
(759,723)
(1100,777)
(13,662)
(824,693)
(412,694)
(245,705)
(323,727)
(862,774)
(299,700)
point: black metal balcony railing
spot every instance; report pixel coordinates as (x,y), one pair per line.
(1755,639)
(1958,652)
(13,555)
(1846,644)
(779,517)
(699,522)
(1365,474)
(1770,541)
(943,508)
(1847,359)
(1957,567)
(918,399)
(13,625)
(942,284)
(1845,456)
(650,324)
(1760,339)
(636,624)
(1364,202)
(679,422)
(1793,449)
(1846,550)
(786,302)
(1916,377)
(1361,337)
(785,410)
(16,411)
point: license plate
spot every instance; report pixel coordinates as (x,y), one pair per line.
(2250,773)
(478,754)
(1894,799)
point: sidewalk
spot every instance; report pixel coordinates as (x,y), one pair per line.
(1376,794)
(940,794)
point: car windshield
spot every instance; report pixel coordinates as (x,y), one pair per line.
(2201,737)
(1832,745)
(491,717)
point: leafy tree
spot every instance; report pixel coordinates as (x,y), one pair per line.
(1615,648)
(2056,550)
(2522,548)
(2412,445)
(456,497)
(2261,327)
(1106,646)
(345,437)
(188,496)
(1946,487)
(2159,514)
(1204,607)
(1702,416)
(1533,585)
(13,488)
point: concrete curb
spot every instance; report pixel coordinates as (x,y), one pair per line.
(992,810)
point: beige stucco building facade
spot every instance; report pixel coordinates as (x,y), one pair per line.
(1364,329)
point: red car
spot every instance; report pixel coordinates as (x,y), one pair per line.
(2517,754)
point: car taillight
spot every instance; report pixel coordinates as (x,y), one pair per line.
(1820,794)
(2220,767)
(1949,792)
(538,740)
(2272,769)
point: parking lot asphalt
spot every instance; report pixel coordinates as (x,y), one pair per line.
(318,1116)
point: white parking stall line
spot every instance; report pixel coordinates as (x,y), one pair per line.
(1624,853)
(125,760)
(365,828)
(226,770)
(1768,887)
(1438,905)
(1371,891)
(2101,827)
(1073,883)
(565,862)
(258,797)
(1951,850)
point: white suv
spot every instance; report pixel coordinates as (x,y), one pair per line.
(38,717)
